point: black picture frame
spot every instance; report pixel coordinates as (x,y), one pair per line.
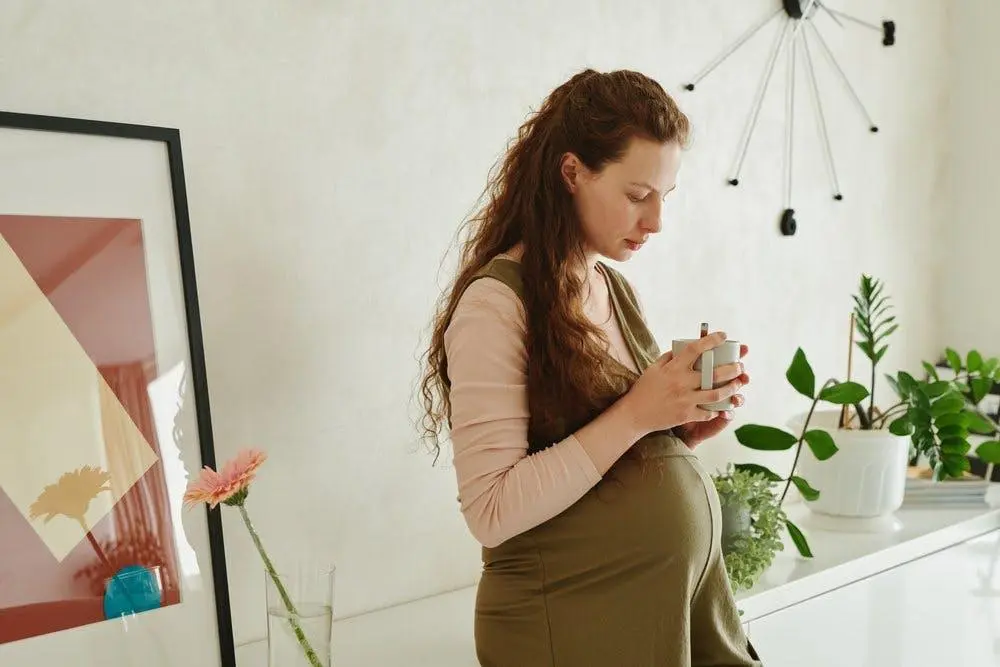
(170,139)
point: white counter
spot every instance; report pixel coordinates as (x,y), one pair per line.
(843,558)
(437,631)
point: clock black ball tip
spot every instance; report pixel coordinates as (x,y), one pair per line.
(788,224)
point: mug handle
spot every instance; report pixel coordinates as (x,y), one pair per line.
(707,369)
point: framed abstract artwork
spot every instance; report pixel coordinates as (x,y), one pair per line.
(104,410)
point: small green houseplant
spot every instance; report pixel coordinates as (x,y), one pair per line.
(942,429)
(751,526)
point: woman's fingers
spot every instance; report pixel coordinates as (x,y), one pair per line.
(727,372)
(722,393)
(665,358)
(693,351)
(703,415)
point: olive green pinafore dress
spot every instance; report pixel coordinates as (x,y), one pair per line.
(632,574)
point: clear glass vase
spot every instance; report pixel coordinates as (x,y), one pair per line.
(300,614)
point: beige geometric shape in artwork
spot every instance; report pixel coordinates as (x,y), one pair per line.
(60,424)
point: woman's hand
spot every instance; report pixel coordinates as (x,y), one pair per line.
(695,433)
(668,393)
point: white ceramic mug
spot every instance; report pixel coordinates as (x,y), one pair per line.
(726,353)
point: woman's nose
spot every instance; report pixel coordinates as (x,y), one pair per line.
(651,219)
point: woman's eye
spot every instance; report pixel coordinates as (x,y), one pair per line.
(636,198)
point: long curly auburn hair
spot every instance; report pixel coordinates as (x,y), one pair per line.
(570,376)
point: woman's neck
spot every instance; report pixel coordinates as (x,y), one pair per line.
(590,265)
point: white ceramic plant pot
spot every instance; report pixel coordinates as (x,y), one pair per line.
(862,485)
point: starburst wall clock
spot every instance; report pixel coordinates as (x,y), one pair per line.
(797,37)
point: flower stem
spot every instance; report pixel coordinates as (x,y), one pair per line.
(96,546)
(104,561)
(293,614)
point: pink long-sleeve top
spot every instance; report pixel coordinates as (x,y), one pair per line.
(502,490)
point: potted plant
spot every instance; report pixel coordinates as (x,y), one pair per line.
(942,431)
(867,479)
(752,520)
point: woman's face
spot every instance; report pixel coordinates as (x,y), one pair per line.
(619,207)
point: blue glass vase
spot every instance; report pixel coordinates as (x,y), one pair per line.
(133,590)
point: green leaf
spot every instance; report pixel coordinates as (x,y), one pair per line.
(931,371)
(884,323)
(765,438)
(907,382)
(895,386)
(957,446)
(880,353)
(947,404)
(799,539)
(885,334)
(990,367)
(989,451)
(878,311)
(935,389)
(755,469)
(925,440)
(954,360)
(844,393)
(980,425)
(955,464)
(980,387)
(807,491)
(861,310)
(953,419)
(800,375)
(901,426)
(974,361)
(821,444)
(920,417)
(952,431)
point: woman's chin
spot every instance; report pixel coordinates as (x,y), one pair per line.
(620,254)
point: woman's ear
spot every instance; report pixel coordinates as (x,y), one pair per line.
(572,170)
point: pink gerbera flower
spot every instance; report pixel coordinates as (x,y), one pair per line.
(229,486)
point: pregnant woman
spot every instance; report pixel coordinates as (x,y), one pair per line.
(573,435)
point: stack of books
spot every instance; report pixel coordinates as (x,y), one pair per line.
(922,490)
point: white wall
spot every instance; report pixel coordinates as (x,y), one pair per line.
(332,148)
(970,287)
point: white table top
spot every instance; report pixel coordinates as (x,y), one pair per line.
(438,630)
